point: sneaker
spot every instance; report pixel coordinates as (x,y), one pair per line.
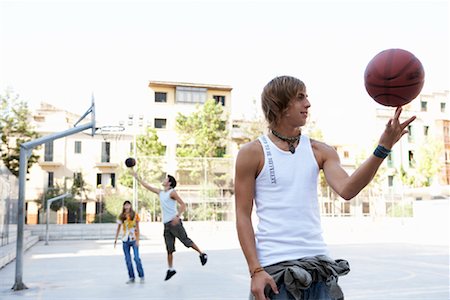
(170,273)
(131,280)
(203,258)
(142,280)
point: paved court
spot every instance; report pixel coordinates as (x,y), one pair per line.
(402,269)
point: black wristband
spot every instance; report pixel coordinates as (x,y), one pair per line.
(381,152)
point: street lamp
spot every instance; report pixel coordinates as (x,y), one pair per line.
(135,127)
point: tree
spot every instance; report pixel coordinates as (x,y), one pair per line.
(253,128)
(150,166)
(204,132)
(150,152)
(15,129)
(203,139)
(428,161)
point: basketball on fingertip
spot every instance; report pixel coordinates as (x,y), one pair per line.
(130,162)
(394,77)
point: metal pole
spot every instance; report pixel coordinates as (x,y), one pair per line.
(19,285)
(135,200)
(49,202)
(25,151)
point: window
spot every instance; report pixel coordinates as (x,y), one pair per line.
(48,155)
(346,155)
(190,94)
(423,105)
(99,179)
(425,130)
(160,123)
(106,152)
(410,134)
(106,179)
(411,158)
(77,179)
(50,181)
(390,180)
(113,180)
(160,97)
(390,161)
(78,147)
(443,107)
(220,99)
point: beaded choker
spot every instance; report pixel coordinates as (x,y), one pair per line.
(290,140)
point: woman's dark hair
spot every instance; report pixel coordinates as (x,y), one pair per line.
(172,181)
(123,214)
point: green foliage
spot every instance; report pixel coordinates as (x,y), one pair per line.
(112,203)
(15,129)
(149,161)
(400,210)
(204,132)
(428,162)
(148,144)
(427,166)
(408,179)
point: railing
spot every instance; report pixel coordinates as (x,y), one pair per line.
(8,205)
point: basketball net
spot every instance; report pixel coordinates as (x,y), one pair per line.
(111,133)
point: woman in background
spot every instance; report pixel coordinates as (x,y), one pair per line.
(130,239)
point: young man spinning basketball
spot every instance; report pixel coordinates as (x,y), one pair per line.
(173,225)
(286,255)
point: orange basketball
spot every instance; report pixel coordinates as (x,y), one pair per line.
(394,77)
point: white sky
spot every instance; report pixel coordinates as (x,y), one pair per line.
(63,51)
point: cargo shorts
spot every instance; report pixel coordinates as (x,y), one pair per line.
(175,231)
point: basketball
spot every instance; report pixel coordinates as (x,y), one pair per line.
(394,77)
(130,162)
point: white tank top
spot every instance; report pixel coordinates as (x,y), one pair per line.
(168,206)
(286,203)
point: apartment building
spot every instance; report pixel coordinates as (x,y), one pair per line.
(94,159)
(171,98)
(431,126)
(98,160)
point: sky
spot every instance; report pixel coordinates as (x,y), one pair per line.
(62,52)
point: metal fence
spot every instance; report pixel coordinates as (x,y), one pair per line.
(9,187)
(206,185)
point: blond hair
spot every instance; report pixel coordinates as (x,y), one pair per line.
(276,96)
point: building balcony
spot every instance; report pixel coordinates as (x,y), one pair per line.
(49,164)
(106,165)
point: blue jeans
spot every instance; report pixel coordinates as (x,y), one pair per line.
(317,291)
(126,250)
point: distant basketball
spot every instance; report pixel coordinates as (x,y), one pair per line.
(394,77)
(130,162)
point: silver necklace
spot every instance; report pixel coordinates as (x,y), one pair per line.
(291,140)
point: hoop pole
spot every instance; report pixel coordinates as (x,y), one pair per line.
(25,152)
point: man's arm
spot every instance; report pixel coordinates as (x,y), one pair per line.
(349,186)
(247,163)
(181,205)
(144,184)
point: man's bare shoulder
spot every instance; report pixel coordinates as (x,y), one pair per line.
(322,151)
(250,158)
(252,147)
(320,146)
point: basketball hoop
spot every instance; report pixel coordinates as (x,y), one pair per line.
(110,132)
